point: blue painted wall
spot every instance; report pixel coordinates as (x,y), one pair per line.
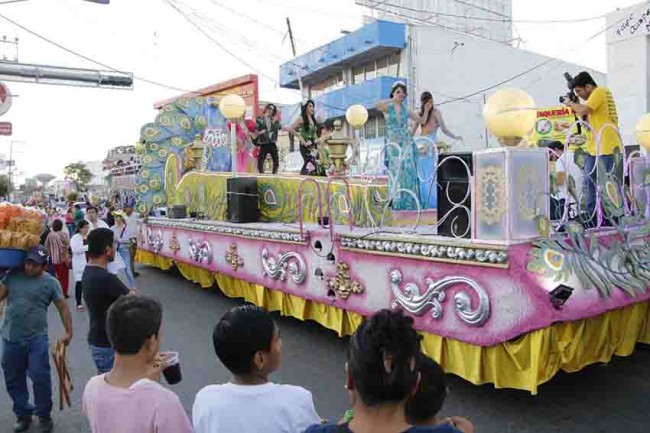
(334,103)
(376,36)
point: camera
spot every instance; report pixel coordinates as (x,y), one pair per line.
(570,95)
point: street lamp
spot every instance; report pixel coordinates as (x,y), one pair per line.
(233,107)
(509,114)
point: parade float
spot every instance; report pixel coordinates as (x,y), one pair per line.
(509,300)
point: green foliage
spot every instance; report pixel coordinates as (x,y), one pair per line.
(5,185)
(78,174)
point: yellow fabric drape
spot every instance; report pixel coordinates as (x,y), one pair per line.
(523,363)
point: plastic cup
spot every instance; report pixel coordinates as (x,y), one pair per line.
(172,367)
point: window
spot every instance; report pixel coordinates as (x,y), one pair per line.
(371,71)
(370,128)
(394,65)
(382,67)
(357,74)
(381,126)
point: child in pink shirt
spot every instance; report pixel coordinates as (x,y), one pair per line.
(129,398)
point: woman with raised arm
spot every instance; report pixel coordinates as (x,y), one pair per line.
(400,149)
(431,122)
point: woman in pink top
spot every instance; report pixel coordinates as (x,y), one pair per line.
(129,398)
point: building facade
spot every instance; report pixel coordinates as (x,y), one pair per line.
(489,19)
(460,70)
(628,64)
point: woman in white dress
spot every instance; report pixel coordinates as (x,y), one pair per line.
(79,247)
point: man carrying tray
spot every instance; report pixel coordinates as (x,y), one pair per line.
(25,348)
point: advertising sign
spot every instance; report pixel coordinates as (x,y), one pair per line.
(552,124)
(6,128)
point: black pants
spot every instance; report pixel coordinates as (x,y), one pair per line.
(267,149)
(307,157)
(77,292)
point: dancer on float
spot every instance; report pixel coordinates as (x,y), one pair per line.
(400,149)
(266,137)
(306,128)
(431,123)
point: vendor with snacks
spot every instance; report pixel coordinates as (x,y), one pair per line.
(25,345)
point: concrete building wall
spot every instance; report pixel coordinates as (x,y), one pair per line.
(628,64)
(494,16)
(452,65)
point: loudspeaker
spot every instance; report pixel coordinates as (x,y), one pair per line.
(453,185)
(242,200)
(178,212)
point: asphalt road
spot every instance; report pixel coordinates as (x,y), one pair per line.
(602,398)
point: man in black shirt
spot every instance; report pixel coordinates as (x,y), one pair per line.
(100,290)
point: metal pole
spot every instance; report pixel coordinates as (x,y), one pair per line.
(11,169)
(233,147)
(295,64)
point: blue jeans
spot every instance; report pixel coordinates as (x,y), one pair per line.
(606,163)
(123,251)
(29,356)
(71,228)
(103,358)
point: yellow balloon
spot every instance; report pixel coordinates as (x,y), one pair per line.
(356,115)
(643,131)
(510,113)
(232,106)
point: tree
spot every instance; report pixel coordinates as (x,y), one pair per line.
(78,174)
(73,196)
(5,186)
(44,179)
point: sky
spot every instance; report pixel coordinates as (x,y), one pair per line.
(56,125)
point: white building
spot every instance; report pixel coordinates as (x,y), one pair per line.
(490,19)
(628,64)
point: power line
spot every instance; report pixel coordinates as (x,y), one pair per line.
(217,43)
(82,56)
(498,20)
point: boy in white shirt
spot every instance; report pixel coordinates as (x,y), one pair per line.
(247,342)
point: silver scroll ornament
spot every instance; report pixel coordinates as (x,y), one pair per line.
(200,252)
(277,269)
(155,240)
(416,303)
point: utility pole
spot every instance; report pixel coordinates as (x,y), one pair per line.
(11,170)
(295,64)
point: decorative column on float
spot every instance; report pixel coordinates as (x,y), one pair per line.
(511,183)
(640,168)
(233,108)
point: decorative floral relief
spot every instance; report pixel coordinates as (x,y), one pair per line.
(418,303)
(277,269)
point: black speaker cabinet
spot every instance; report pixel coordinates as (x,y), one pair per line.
(178,212)
(453,186)
(242,200)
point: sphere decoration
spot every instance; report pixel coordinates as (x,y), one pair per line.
(643,131)
(232,106)
(509,114)
(357,115)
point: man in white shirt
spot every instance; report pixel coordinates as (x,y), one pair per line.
(246,341)
(565,170)
(92,216)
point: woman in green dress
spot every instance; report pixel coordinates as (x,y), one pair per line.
(400,152)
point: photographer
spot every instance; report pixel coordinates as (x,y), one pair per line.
(600,110)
